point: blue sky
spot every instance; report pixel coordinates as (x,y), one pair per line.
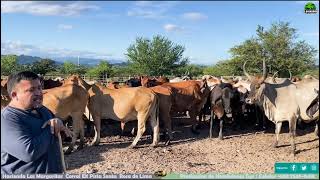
(105,29)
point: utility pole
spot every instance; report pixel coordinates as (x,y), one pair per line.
(78,61)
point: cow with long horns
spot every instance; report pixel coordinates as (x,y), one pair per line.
(281,102)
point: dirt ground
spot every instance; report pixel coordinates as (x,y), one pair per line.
(241,151)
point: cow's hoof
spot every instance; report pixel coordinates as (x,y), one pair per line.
(275,145)
(154,145)
(131,146)
(220,137)
(94,144)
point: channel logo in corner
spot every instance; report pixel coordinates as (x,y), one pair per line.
(310,8)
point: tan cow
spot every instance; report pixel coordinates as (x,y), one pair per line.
(125,104)
(68,100)
(76,79)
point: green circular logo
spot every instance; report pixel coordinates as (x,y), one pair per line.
(310,6)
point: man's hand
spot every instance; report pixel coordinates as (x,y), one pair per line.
(57,126)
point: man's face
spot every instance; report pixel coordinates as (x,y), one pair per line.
(28,94)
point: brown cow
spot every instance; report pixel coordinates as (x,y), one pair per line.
(113,85)
(68,100)
(151,82)
(190,96)
(162,79)
(49,83)
(125,104)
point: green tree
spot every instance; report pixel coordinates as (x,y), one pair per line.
(69,68)
(122,71)
(222,68)
(43,66)
(9,64)
(158,56)
(191,70)
(101,71)
(278,46)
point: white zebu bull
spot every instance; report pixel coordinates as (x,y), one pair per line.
(282,102)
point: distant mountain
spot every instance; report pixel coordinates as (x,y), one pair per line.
(25,59)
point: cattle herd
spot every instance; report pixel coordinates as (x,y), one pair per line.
(156,100)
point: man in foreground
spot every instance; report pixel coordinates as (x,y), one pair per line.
(28,145)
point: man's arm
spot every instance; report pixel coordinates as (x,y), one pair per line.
(18,141)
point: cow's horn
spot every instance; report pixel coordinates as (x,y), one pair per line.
(264,72)
(245,72)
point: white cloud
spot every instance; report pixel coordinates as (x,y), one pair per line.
(47,8)
(315,34)
(194,16)
(143,3)
(18,48)
(172,28)
(150,9)
(64,27)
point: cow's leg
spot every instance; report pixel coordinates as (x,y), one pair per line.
(221,127)
(292,132)
(75,132)
(81,133)
(154,122)
(142,118)
(122,124)
(165,117)
(97,128)
(277,132)
(256,109)
(193,118)
(264,122)
(211,124)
